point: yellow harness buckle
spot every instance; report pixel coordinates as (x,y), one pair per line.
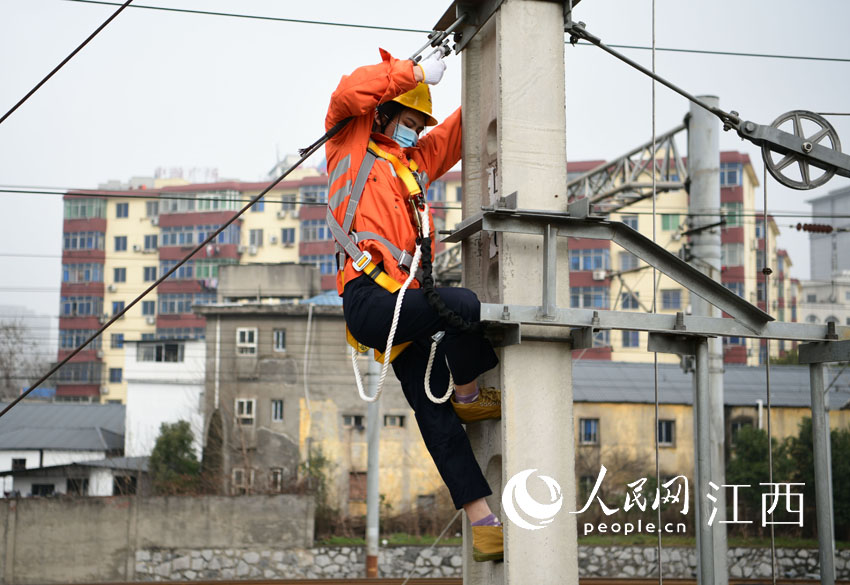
(362,262)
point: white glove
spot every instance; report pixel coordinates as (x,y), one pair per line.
(433,68)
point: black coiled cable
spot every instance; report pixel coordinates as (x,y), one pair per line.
(451,318)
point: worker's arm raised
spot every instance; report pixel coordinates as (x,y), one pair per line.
(367,87)
(440,149)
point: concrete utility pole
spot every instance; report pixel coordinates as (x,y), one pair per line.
(373,438)
(514,139)
(704,210)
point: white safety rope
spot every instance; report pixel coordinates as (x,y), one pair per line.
(417,256)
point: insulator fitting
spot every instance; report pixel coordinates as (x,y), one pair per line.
(814,227)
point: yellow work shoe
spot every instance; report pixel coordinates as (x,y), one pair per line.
(488,405)
(488,543)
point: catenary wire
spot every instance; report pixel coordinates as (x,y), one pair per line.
(65,60)
(654,310)
(423,31)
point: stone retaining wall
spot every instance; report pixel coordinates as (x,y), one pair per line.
(446,561)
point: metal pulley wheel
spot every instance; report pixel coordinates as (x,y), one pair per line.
(812,129)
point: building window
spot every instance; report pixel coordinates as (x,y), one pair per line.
(149,273)
(588,431)
(86,272)
(585,485)
(730,174)
(180,303)
(255,238)
(19,464)
(152,208)
(352,421)
(629,300)
(242,480)
(287,202)
(393,420)
(732,210)
(314,194)
(246,341)
(77,486)
(148,308)
(631,339)
(287,236)
(315,230)
(123,485)
(276,479)
(628,261)
(595,297)
(150,242)
(630,220)
(80,306)
(80,208)
(120,243)
(74,338)
(458,193)
(812,298)
(436,191)
(117,307)
(245,411)
(736,425)
(159,352)
(732,254)
(259,205)
(669,221)
(80,373)
(280,339)
(671,299)
(590,259)
(43,489)
(735,287)
(117,341)
(83,240)
(666,432)
(122,210)
(119,275)
(277,410)
(185,271)
(760,291)
(324,262)
(115,375)
(426,503)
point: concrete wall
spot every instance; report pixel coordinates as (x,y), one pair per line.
(281,280)
(56,540)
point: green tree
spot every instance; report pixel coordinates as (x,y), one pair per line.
(748,465)
(173,466)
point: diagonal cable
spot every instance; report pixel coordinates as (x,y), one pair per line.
(313,148)
(64,61)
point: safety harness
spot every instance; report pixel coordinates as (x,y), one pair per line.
(346,245)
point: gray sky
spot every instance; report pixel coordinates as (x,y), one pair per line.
(159,89)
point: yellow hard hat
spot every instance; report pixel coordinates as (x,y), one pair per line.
(419,99)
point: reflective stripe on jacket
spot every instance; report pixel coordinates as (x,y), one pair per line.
(383,208)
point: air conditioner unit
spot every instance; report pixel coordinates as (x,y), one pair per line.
(295,213)
(150,320)
(99,354)
(240,248)
(599,274)
(273,239)
(289,244)
(252,250)
(111,288)
(104,389)
(281,213)
(137,248)
(754,245)
(104,318)
(155,221)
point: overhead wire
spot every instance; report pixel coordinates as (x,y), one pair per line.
(65,60)
(423,31)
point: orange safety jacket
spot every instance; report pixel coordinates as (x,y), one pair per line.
(383,224)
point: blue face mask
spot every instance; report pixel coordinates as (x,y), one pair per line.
(404,136)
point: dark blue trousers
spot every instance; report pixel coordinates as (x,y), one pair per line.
(368,314)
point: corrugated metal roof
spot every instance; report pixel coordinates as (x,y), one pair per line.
(119,463)
(63,426)
(604,381)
